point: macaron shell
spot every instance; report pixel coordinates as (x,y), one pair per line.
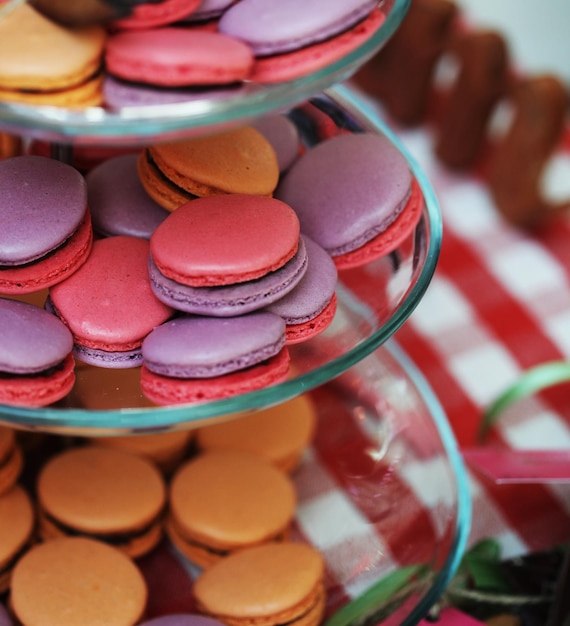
(74,581)
(166,391)
(225,239)
(95,489)
(42,203)
(54,268)
(36,54)
(182,619)
(5,619)
(177,57)
(283,135)
(36,391)
(231,300)
(231,499)
(207,347)
(97,301)
(298,63)
(303,331)
(273,26)
(279,434)
(271,584)
(347,189)
(314,291)
(31,340)
(389,239)
(239,160)
(118,202)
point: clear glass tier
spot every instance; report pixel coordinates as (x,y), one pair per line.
(142,124)
(373,302)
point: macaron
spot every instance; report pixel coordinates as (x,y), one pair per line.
(75,580)
(309,308)
(98,303)
(118,203)
(46,229)
(154,14)
(239,161)
(11,459)
(225,256)
(17,520)
(224,501)
(198,358)
(273,26)
(10,145)
(279,434)
(208,10)
(224,240)
(312,58)
(35,356)
(103,493)
(177,57)
(283,135)
(45,63)
(372,201)
(271,584)
(166,450)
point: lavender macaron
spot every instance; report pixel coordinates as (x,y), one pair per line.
(119,203)
(36,366)
(283,135)
(309,308)
(194,358)
(5,619)
(347,191)
(276,26)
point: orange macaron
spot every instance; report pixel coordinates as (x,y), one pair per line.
(239,160)
(221,502)
(279,434)
(102,493)
(45,63)
(75,580)
(17,521)
(11,459)
(276,583)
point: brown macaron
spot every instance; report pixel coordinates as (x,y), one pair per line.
(277,583)
(75,580)
(240,160)
(44,63)
(279,434)
(220,502)
(11,459)
(102,493)
(17,522)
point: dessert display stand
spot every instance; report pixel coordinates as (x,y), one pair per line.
(382,489)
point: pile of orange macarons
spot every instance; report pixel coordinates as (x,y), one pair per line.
(78,516)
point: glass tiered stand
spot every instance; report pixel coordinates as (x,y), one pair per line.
(394,512)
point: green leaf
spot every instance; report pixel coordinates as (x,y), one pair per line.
(360,608)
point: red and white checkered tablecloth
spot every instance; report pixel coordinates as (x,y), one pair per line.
(498,304)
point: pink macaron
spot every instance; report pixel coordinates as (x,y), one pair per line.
(177,57)
(108,304)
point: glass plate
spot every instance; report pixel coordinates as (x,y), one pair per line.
(373,302)
(138,125)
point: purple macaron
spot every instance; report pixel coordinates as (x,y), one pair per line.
(207,347)
(230,300)
(283,135)
(5,620)
(42,203)
(277,26)
(347,190)
(310,297)
(118,202)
